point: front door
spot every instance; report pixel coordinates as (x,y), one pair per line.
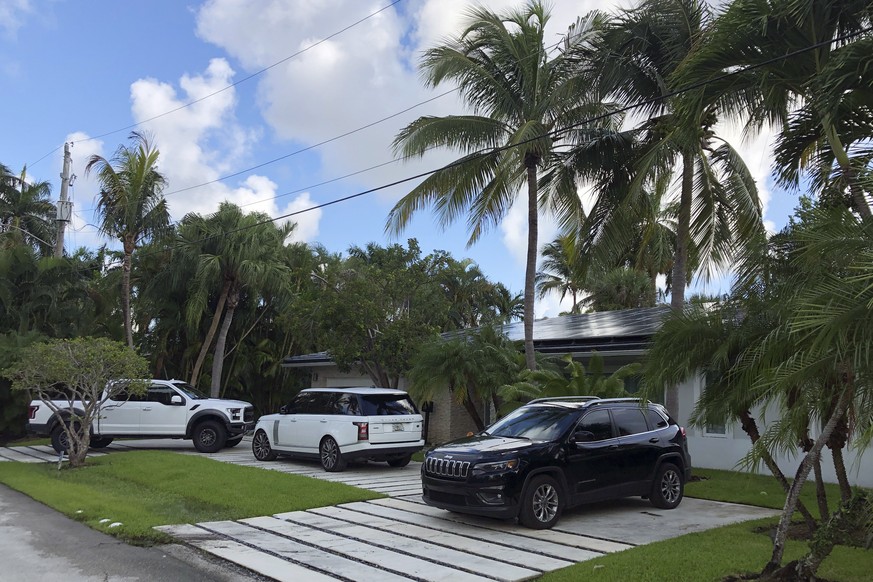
(120,414)
(159,416)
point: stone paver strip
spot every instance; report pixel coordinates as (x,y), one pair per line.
(547,548)
(307,555)
(418,568)
(558,537)
(446,538)
(16,454)
(257,561)
(435,554)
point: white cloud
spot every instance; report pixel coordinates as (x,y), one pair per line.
(13,14)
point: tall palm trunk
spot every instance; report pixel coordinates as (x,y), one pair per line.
(221,342)
(530,161)
(125,293)
(213,327)
(859,199)
(680,264)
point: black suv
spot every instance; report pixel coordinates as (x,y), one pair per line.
(554,453)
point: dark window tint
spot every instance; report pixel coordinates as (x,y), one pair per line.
(629,421)
(123,395)
(160,394)
(598,423)
(539,423)
(303,403)
(348,404)
(386,404)
(656,421)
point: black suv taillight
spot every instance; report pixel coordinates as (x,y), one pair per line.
(363,430)
(32,411)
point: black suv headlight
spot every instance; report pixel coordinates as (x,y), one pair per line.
(495,467)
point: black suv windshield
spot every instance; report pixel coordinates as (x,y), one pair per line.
(539,423)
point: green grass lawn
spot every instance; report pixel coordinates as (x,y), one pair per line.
(27,442)
(142,489)
(716,553)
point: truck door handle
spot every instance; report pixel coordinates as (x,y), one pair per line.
(147,409)
(323,420)
(654,440)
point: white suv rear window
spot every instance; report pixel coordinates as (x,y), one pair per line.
(386,405)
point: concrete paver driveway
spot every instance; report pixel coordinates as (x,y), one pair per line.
(401,538)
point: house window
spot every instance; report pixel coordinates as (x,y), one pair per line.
(716,430)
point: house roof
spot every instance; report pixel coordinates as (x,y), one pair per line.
(625,332)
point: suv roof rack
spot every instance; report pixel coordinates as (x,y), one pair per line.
(565,399)
(628,399)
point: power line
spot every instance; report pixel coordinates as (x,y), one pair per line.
(232,85)
(554,134)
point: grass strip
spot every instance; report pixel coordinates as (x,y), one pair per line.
(142,489)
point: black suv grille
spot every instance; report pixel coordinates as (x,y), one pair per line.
(249,414)
(446,468)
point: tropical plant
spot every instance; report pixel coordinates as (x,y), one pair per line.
(575,380)
(471,366)
(526,104)
(26,212)
(130,205)
(563,269)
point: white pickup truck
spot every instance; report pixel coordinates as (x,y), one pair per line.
(168,409)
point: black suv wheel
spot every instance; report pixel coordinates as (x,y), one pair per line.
(667,488)
(541,505)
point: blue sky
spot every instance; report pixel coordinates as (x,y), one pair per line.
(86,71)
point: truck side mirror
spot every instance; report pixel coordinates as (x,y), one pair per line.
(176,400)
(283,409)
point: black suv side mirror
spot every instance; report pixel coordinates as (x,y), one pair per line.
(582,436)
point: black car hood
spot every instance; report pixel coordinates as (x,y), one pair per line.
(484,444)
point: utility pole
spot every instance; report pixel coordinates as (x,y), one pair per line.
(65,207)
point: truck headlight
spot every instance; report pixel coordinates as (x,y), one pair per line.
(234,413)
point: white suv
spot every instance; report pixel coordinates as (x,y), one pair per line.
(338,425)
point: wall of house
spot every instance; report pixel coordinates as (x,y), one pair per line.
(725,447)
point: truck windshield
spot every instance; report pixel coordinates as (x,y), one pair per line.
(190,391)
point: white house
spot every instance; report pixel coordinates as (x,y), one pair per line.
(621,337)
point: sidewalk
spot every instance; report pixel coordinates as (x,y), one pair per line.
(39,543)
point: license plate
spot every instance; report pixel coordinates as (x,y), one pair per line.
(398,427)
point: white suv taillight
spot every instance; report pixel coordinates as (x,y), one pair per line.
(32,411)
(363,430)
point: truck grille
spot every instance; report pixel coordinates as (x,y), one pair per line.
(249,414)
(446,468)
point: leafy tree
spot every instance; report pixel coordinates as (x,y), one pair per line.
(526,104)
(13,404)
(375,308)
(622,288)
(80,369)
(26,211)
(575,380)
(130,205)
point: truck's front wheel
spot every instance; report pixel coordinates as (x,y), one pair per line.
(209,436)
(60,440)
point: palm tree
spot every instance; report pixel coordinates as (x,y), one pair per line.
(526,104)
(563,269)
(718,210)
(237,255)
(26,209)
(130,205)
(803,67)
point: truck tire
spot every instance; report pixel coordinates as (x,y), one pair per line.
(60,441)
(99,442)
(209,436)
